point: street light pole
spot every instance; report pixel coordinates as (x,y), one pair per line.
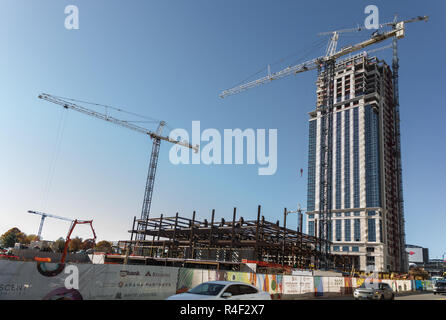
(299,211)
(442,274)
(299,222)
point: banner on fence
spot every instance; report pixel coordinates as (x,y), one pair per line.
(297,284)
(31,280)
(335,284)
(50,281)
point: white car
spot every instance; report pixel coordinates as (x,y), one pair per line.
(375,291)
(222,290)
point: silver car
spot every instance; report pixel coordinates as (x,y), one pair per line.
(374,291)
(440,287)
(222,290)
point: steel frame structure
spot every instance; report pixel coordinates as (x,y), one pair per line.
(179,239)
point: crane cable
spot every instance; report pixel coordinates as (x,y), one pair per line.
(317,44)
(55,156)
(147,118)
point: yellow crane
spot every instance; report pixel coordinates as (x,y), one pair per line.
(398,32)
(326,67)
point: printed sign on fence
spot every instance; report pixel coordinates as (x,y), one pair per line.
(50,281)
(297,284)
(29,280)
(335,284)
(291,284)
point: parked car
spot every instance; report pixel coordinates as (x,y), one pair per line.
(440,287)
(222,290)
(375,291)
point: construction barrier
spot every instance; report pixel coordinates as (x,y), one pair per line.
(31,281)
(293,285)
(41,280)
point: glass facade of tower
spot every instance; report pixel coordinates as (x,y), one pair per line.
(347,159)
(311,167)
(361,176)
(346,170)
(373,194)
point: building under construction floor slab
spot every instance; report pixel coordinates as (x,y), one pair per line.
(180,241)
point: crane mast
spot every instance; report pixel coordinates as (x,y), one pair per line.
(155,136)
(397,150)
(147,202)
(326,70)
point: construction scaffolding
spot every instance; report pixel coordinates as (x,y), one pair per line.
(180,241)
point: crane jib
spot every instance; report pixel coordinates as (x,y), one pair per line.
(397,31)
(105,117)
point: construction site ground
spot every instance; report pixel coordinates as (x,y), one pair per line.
(415,295)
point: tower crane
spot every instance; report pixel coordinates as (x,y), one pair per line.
(326,69)
(155,136)
(44,216)
(397,31)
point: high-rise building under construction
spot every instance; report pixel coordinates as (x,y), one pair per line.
(365,218)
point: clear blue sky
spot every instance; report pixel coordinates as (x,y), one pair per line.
(169,60)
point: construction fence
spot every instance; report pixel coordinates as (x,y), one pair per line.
(50,281)
(286,286)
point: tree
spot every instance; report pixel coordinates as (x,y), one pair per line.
(75,244)
(59,245)
(104,246)
(30,238)
(419,273)
(87,244)
(11,237)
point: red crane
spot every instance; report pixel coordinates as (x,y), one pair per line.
(68,239)
(47,270)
